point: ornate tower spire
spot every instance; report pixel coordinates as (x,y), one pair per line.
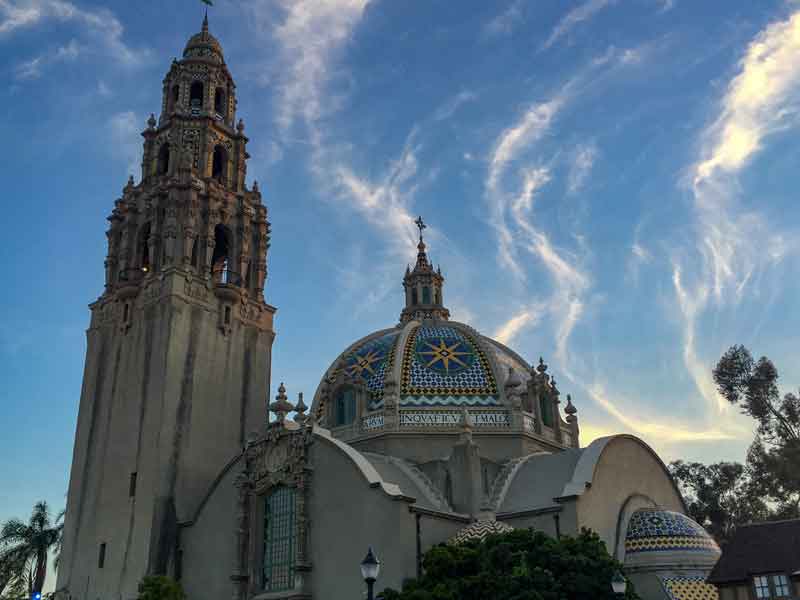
(184,307)
(423,286)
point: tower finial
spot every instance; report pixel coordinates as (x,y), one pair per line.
(421,225)
(205,22)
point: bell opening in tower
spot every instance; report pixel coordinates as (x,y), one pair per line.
(162,167)
(219,163)
(196,97)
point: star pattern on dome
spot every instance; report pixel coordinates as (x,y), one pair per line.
(441,355)
(462,371)
(365,363)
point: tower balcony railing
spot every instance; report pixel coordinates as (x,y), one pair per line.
(227,284)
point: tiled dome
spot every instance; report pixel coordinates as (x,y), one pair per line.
(203,45)
(653,533)
(479,530)
(441,363)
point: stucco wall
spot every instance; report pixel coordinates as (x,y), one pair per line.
(209,544)
(626,469)
(348,516)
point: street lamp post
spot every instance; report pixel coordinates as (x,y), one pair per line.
(618,584)
(370,567)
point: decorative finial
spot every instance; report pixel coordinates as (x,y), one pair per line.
(240,126)
(513,380)
(130,181)
(151,122)
(421,225)
(255,185)
(570,408)
(205,23)
(281,407)
(542,368)
(300,408)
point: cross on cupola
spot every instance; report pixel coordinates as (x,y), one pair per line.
(423,286)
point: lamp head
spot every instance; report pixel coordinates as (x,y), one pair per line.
(618,583)
(370,566)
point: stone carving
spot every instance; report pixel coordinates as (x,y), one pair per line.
(195,289)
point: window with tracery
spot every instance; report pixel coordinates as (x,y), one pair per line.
(344,409)
(280,539)
(546,407)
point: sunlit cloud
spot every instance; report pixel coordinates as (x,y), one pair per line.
(531,127)
(659,428)
(524,319)
(761,99)
(575,17)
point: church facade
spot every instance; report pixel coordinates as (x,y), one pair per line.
(422,433)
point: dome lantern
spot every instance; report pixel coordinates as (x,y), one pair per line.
(423,286)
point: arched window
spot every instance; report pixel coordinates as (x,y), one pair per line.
(196,96)
(222,250)
(414,298)
(196,251)
(437,296)
(144,247)
(219,102)
(175,95)
(219,163)
(426,294)
(344,409)
(162,165)
(280,540)
(546,407)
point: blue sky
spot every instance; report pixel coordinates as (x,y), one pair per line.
(609,184)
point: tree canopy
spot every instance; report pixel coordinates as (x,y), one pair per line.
(24,550)
(160,587)
(723,495)
(519,565)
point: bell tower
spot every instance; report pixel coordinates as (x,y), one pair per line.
(179,345)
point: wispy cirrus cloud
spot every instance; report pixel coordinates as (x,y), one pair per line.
(575,17)
(310,38)
(32,69)
(660,428)
(123,130)
(531,127)
(99,26)
(505,22)
(583,159)
(761,99)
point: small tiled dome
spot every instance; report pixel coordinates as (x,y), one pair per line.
(479,530)
(654,534)
(203,45)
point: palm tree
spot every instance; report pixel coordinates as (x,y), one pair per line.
(24,548)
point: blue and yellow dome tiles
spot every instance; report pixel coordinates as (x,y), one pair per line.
(444,366)
(369,361)
(653,530)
